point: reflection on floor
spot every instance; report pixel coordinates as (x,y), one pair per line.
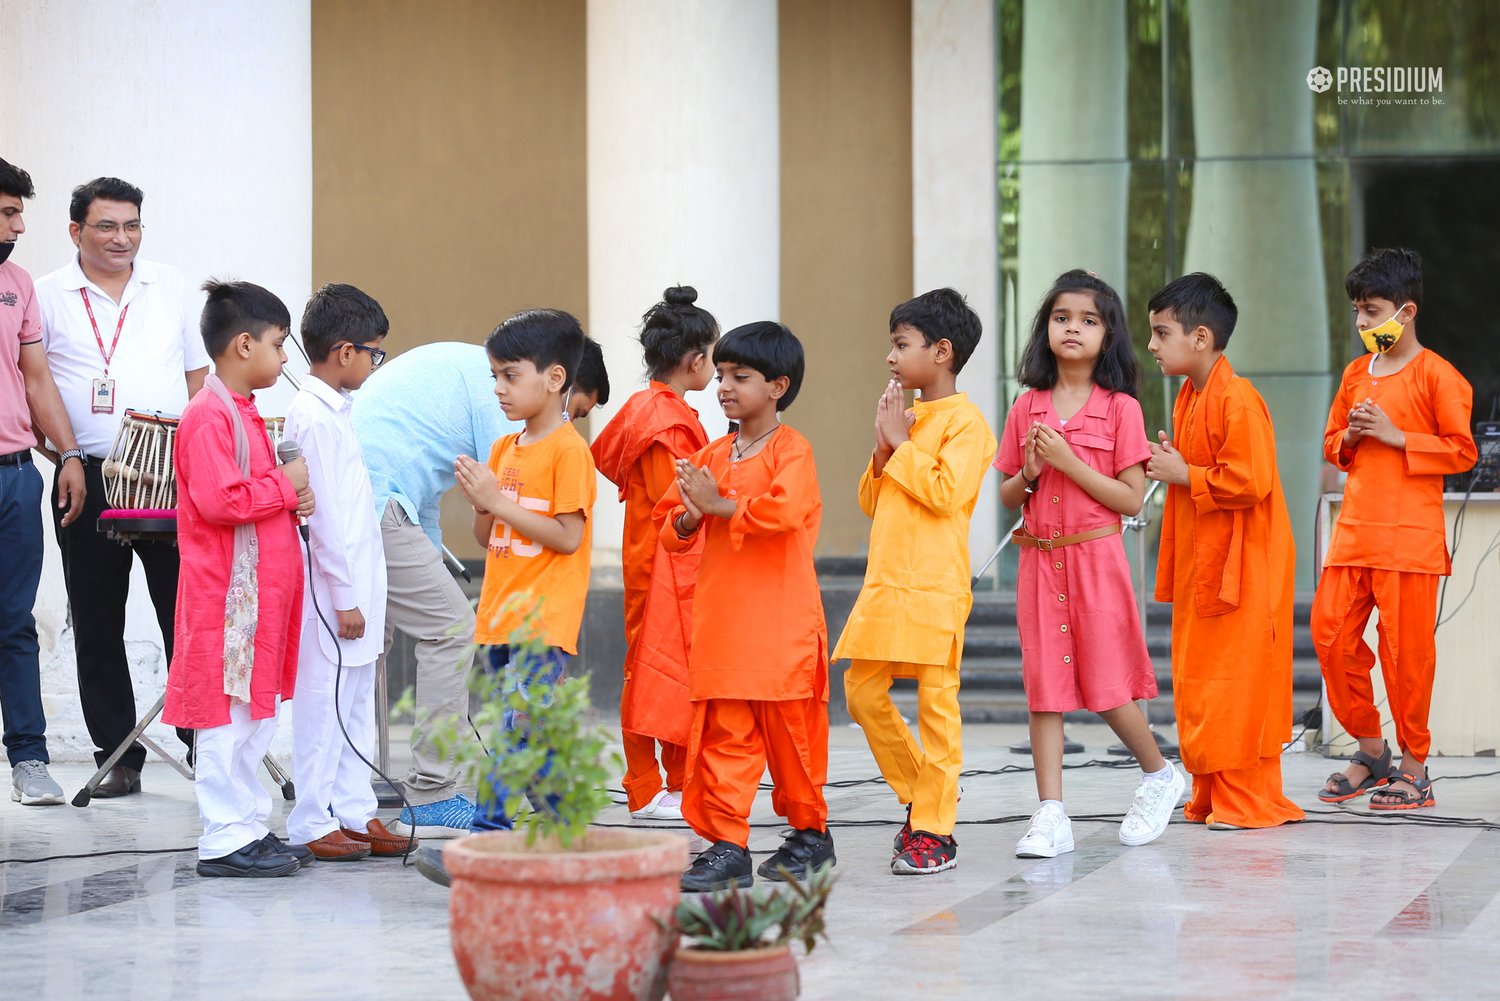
(1346,904)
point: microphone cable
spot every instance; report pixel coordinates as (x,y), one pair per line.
(411,836)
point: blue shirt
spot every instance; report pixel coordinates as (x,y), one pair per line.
(416,414)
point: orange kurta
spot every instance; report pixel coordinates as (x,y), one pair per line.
(1227,564)
(758,666)
(637,451)
(1389,546)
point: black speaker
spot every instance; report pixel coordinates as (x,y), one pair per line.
(1485,475)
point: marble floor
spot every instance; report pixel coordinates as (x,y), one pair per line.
(102,902)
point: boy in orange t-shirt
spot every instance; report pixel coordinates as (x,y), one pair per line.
(758,660)
(531,509)
(1398,424)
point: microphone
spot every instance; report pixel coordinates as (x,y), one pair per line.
(286,450)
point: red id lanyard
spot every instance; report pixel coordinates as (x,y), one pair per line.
(107,355)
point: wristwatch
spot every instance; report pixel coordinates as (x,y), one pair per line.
(72,453)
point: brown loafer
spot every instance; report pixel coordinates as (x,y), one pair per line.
(381,841)
(335,847)
(120,781)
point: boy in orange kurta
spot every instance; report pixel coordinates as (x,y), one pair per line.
(1227,564)
(758,666)
(638,451)
(919,491)
(1399,422)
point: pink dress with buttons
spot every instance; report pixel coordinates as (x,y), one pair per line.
(1081,640)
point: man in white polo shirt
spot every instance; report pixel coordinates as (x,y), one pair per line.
(27,396)
(121,334)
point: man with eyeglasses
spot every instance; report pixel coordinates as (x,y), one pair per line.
(121,333)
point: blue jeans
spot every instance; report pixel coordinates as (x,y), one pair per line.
(20,666)
(534,680)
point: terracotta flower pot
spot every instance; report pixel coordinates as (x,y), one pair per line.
(536,922)
(752,975)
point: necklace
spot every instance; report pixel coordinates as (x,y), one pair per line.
(737,453)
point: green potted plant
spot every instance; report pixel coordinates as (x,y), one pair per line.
(554,908)
(740,940)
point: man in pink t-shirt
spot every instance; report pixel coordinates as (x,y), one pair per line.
(27,394)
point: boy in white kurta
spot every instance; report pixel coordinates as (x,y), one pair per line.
(346,589)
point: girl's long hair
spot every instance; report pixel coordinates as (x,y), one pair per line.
(1115,369)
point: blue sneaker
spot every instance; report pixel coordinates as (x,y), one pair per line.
(447,818)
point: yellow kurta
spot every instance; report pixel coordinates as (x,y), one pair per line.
(916,594)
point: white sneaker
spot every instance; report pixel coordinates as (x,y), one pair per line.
(663,806)
(1050,834)
(31,785)
(1152,810)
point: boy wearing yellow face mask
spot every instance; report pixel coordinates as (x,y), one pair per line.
(1398,424)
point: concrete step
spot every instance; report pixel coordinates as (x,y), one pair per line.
(991,641)
(991,696)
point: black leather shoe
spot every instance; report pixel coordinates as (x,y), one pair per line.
(802,852)
(301,853)
(253,860)
(120,781)
(430,864)
(724,864)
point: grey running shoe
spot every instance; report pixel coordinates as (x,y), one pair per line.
(31,785)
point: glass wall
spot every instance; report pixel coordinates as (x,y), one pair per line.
(1142,139)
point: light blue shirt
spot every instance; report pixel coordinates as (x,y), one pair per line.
(416,414)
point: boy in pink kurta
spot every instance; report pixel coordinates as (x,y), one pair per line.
(227,477)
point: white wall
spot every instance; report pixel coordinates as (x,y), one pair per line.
(207,107)
(954,220)
(684,182)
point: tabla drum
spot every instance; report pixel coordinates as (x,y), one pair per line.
(138,472)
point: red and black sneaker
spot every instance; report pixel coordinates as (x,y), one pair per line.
(902,836)
(925,854)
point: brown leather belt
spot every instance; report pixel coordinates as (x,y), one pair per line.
(1022,537)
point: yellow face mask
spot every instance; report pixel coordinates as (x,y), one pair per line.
(1382,338)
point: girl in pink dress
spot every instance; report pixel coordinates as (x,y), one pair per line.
(1073,454)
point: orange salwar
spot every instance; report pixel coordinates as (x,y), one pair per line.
(733,741)
(1228,566)
(1408,650)
(758,663)
(638,451)
(1389,546)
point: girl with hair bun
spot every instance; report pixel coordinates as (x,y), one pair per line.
(638,452)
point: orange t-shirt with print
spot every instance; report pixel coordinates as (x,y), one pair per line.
(553,476)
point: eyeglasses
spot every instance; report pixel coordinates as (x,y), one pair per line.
(109,227)
(377,355)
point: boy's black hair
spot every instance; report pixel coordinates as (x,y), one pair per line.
(109,188)
(238,307)
(544,337)
(15,182)
(1199,300)
(1116,368)
(673,329)
(592,376)
(769,348)
(337,313)
(1392,273)
(942,314)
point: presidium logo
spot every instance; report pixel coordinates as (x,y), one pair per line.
(1379,86)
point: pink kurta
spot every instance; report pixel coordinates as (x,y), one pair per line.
(213,497)
(1081,640)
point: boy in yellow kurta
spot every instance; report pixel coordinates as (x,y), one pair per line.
(919,490)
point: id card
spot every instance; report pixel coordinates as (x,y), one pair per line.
(104,396)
